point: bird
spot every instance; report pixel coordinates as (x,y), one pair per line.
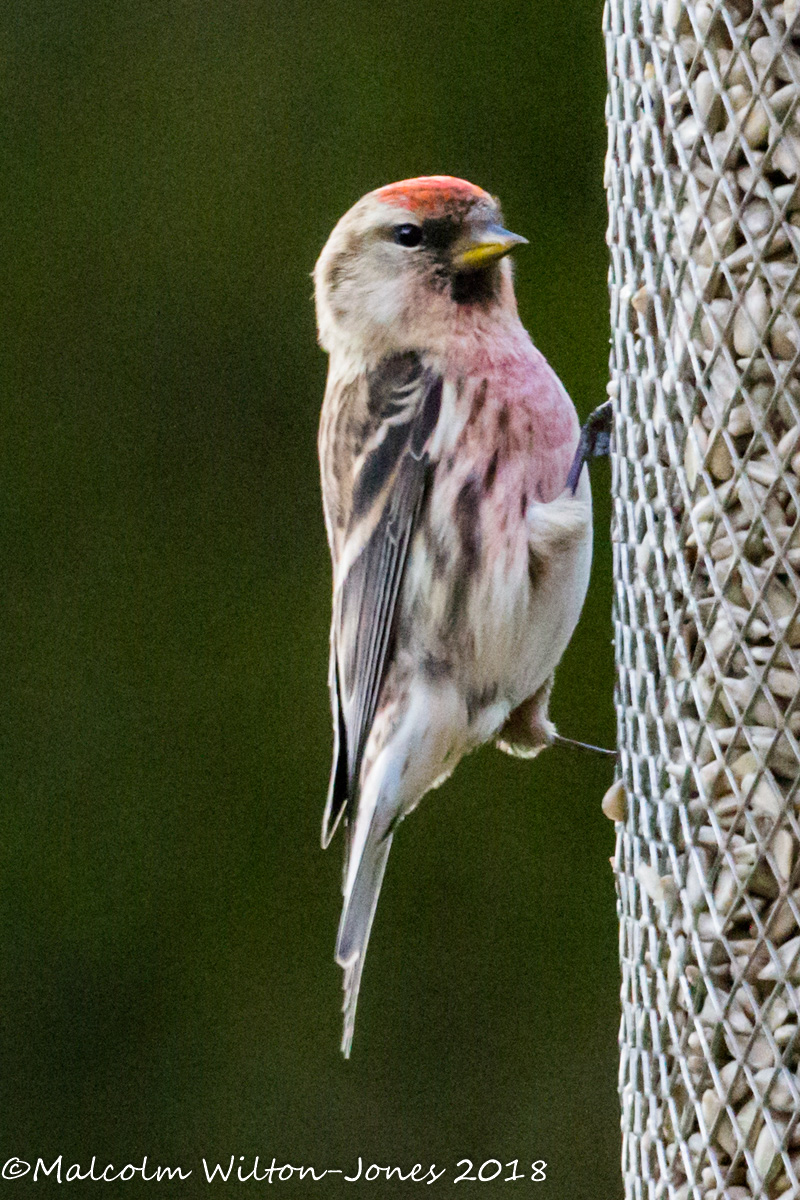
(457,512)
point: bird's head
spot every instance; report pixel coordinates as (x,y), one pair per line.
(409,262)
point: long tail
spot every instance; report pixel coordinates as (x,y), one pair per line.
(361,898)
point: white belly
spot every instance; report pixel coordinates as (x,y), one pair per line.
(532,613)
(501,636)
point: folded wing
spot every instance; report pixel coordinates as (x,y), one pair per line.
(392,471)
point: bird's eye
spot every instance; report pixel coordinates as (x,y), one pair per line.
(407,235)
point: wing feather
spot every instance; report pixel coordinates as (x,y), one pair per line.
(337,789)
(386,499)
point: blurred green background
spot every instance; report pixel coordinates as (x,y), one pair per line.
(170,173)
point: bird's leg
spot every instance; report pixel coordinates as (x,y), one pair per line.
(594,442)
(528,729)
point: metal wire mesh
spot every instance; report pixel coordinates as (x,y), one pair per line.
(703,179)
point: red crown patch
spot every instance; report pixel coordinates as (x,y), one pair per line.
(430,193)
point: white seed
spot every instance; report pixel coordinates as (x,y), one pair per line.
(749,1120)
(783,683)
(707,1180)
(788,443)
(778,599)
(762,471)
(711,1106)
(786,403)
(751,178)
(763,51)
(783,851)
(673,12)
(689,131)
(641,301)
(721,549)
(737,1090)
(782,100)
(761,395)
(614,803)
(740,419)
(737,70)
(739,1020)
(786,155)
(714,322)
(757,218)
(756,125)
(693,461)
(745,764)
(726,1138)
(752,498)
(784,337)
(707,101)
(695,896)
(782,922)
(720,243)
(706,836)
(703,16)
(726,891)
(788,955)
(722,636)
(785,1033)
(786,197)
(751,319)
(738,695)
(724,382)
(661,889)
(766,1158)
(790,629)
(727,810)
(701,533)
(778,1094)
(739,96)
(778,1012)
(765,246)
(766,799)
(711,781)
(718,458)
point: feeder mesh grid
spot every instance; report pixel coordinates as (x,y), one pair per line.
(703,178)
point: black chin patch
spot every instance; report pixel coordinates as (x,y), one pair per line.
(476,287)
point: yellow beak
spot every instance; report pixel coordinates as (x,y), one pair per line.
(483,246)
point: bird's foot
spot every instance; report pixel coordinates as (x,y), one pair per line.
(594,442)
(527,730)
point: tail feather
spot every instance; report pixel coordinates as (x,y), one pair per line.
(361,899)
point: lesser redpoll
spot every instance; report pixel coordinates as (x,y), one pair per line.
(460,557)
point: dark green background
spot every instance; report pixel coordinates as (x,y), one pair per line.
(170,172)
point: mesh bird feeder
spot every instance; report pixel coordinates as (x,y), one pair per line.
(703,181)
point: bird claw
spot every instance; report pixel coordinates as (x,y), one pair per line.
(594,442)
(558,740)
